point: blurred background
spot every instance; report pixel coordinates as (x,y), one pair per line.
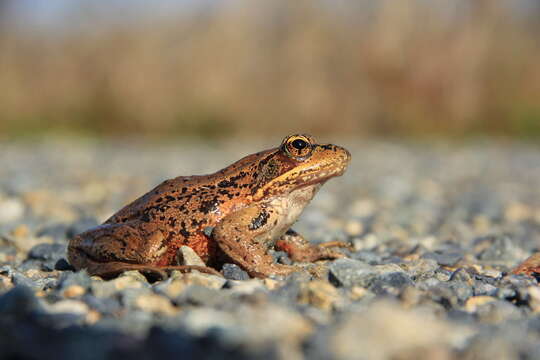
(216,69)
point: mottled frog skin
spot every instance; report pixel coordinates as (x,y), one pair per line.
(233,215)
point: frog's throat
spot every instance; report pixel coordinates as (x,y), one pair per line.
(291,181)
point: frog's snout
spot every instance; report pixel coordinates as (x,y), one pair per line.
(348,156)
(344,156)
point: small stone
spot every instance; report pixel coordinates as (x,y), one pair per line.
(74,291)
(208,280)
(246,287)
(320,294)
(498,248)
(348,272)
(518,212)
(462,274)
(92,317)
(128,280)
(187,256)
(444,258)
(155,304)
(421,268)
(21,231)
(493,273)
(410,297)
(11,210)
(19,302)
(481,288)
(280,257)
(475,302)
(357,293)
(354,228)
(271,284)
(366,242)
(498,312)
(171,288)
(53,251)
(200,295)
(390,283)
(68,307)
(109,306)
(534,298)
(79,278)
(21,280)
(380,332)
(234,272)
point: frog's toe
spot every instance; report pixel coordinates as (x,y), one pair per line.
(337,243)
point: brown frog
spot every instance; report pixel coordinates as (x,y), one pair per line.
(233,215)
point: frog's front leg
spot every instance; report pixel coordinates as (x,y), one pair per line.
(299,249)
(246,235)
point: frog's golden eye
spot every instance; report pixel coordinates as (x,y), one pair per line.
(298,147)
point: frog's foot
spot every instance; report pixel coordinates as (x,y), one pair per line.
(337,243)
(300,250)
(266,270)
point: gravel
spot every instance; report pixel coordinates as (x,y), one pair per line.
(435,230)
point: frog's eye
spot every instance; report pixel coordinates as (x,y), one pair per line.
(298,146)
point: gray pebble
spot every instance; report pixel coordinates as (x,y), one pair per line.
(234,272)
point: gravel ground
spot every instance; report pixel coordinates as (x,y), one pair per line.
(435,230)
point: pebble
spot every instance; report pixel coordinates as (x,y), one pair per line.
(444,259)
(474,302)
(348,273)
(11,210)
(200,296)
(155,304)
(186,256)
(129,280)
(354,228)
(69,307)
(234,272)
(74,291)
(208,280)
(380,333)
(534,298)
(319,294)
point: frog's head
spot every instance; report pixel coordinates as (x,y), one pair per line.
(298,162)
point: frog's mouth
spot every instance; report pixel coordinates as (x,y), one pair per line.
(284,184)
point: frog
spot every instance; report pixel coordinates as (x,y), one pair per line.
(235,215)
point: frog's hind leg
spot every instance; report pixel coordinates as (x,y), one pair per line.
(109,270)
(299,249)
(111,249)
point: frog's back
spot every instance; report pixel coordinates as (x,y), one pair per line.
(196,196)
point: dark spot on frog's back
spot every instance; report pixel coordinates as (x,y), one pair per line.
(185,233)
(259,221)
(226,184)
(208,206)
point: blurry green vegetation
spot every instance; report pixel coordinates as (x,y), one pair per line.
(385,68)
